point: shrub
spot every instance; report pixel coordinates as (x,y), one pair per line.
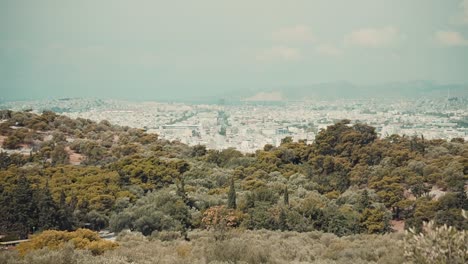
(166,235)
(219,219)
(437,245)
(80,239)
(220,215)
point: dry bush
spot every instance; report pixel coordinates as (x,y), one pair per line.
(65,255)
(437,245)
(260,246)
(166,235)
(237,250)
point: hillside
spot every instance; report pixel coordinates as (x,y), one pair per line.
(62,173)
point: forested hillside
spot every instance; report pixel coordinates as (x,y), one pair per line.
(60,173)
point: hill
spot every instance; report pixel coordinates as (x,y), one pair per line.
(62,173)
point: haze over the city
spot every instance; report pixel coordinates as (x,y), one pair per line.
(189,50)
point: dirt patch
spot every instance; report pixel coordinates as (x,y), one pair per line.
(436,193)
(398,226)
(75,158)
(408,195)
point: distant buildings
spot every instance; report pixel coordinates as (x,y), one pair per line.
(249,126)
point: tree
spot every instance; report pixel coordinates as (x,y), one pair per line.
(7,216)
(389,190)
(96,220)
(59,155)
(363,201)
(282,221)
(24,214)
(232,196)
(48,215)
(286,140)
(286,196)
(156,211)
(374,220)
(198,151)
(180,184)
(12,142)
(65,213)
(268,147)
(338,224)
(184,218)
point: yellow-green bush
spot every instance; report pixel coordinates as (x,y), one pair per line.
(80,239)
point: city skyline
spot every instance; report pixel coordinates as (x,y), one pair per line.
(249,125)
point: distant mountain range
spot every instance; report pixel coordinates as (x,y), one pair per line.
(280,94)
(346,90)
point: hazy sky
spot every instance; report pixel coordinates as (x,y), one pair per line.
(167,49)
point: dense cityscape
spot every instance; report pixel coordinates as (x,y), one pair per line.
(248,126)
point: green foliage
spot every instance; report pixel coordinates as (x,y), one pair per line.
(221,158)
(232,196)
(22,211)
(286,196)
(374,220)
(348,181)
(59,155)
(156,211)
(364,201)
(48,212)
(198,151)
(149,173)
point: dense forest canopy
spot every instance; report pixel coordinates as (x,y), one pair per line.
(61,173)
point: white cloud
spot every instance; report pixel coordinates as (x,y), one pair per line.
(461,18)
(464,6)
(328,50)
(266,96)
(298,33)
(450,38)
(279,53)
(372,37)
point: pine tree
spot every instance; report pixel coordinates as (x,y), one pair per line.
(65,214)
(184,216)
(63,199)
(286,196)
(181,189)
(232,196)
(283,220)
(23,213)
(7,214)
(47,209)
(73,202)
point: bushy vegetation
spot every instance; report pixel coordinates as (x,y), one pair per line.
(157,211)
(79,239)
(347,182)
(260,246)
(437,245)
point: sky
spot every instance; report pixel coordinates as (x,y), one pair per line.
(155,50)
